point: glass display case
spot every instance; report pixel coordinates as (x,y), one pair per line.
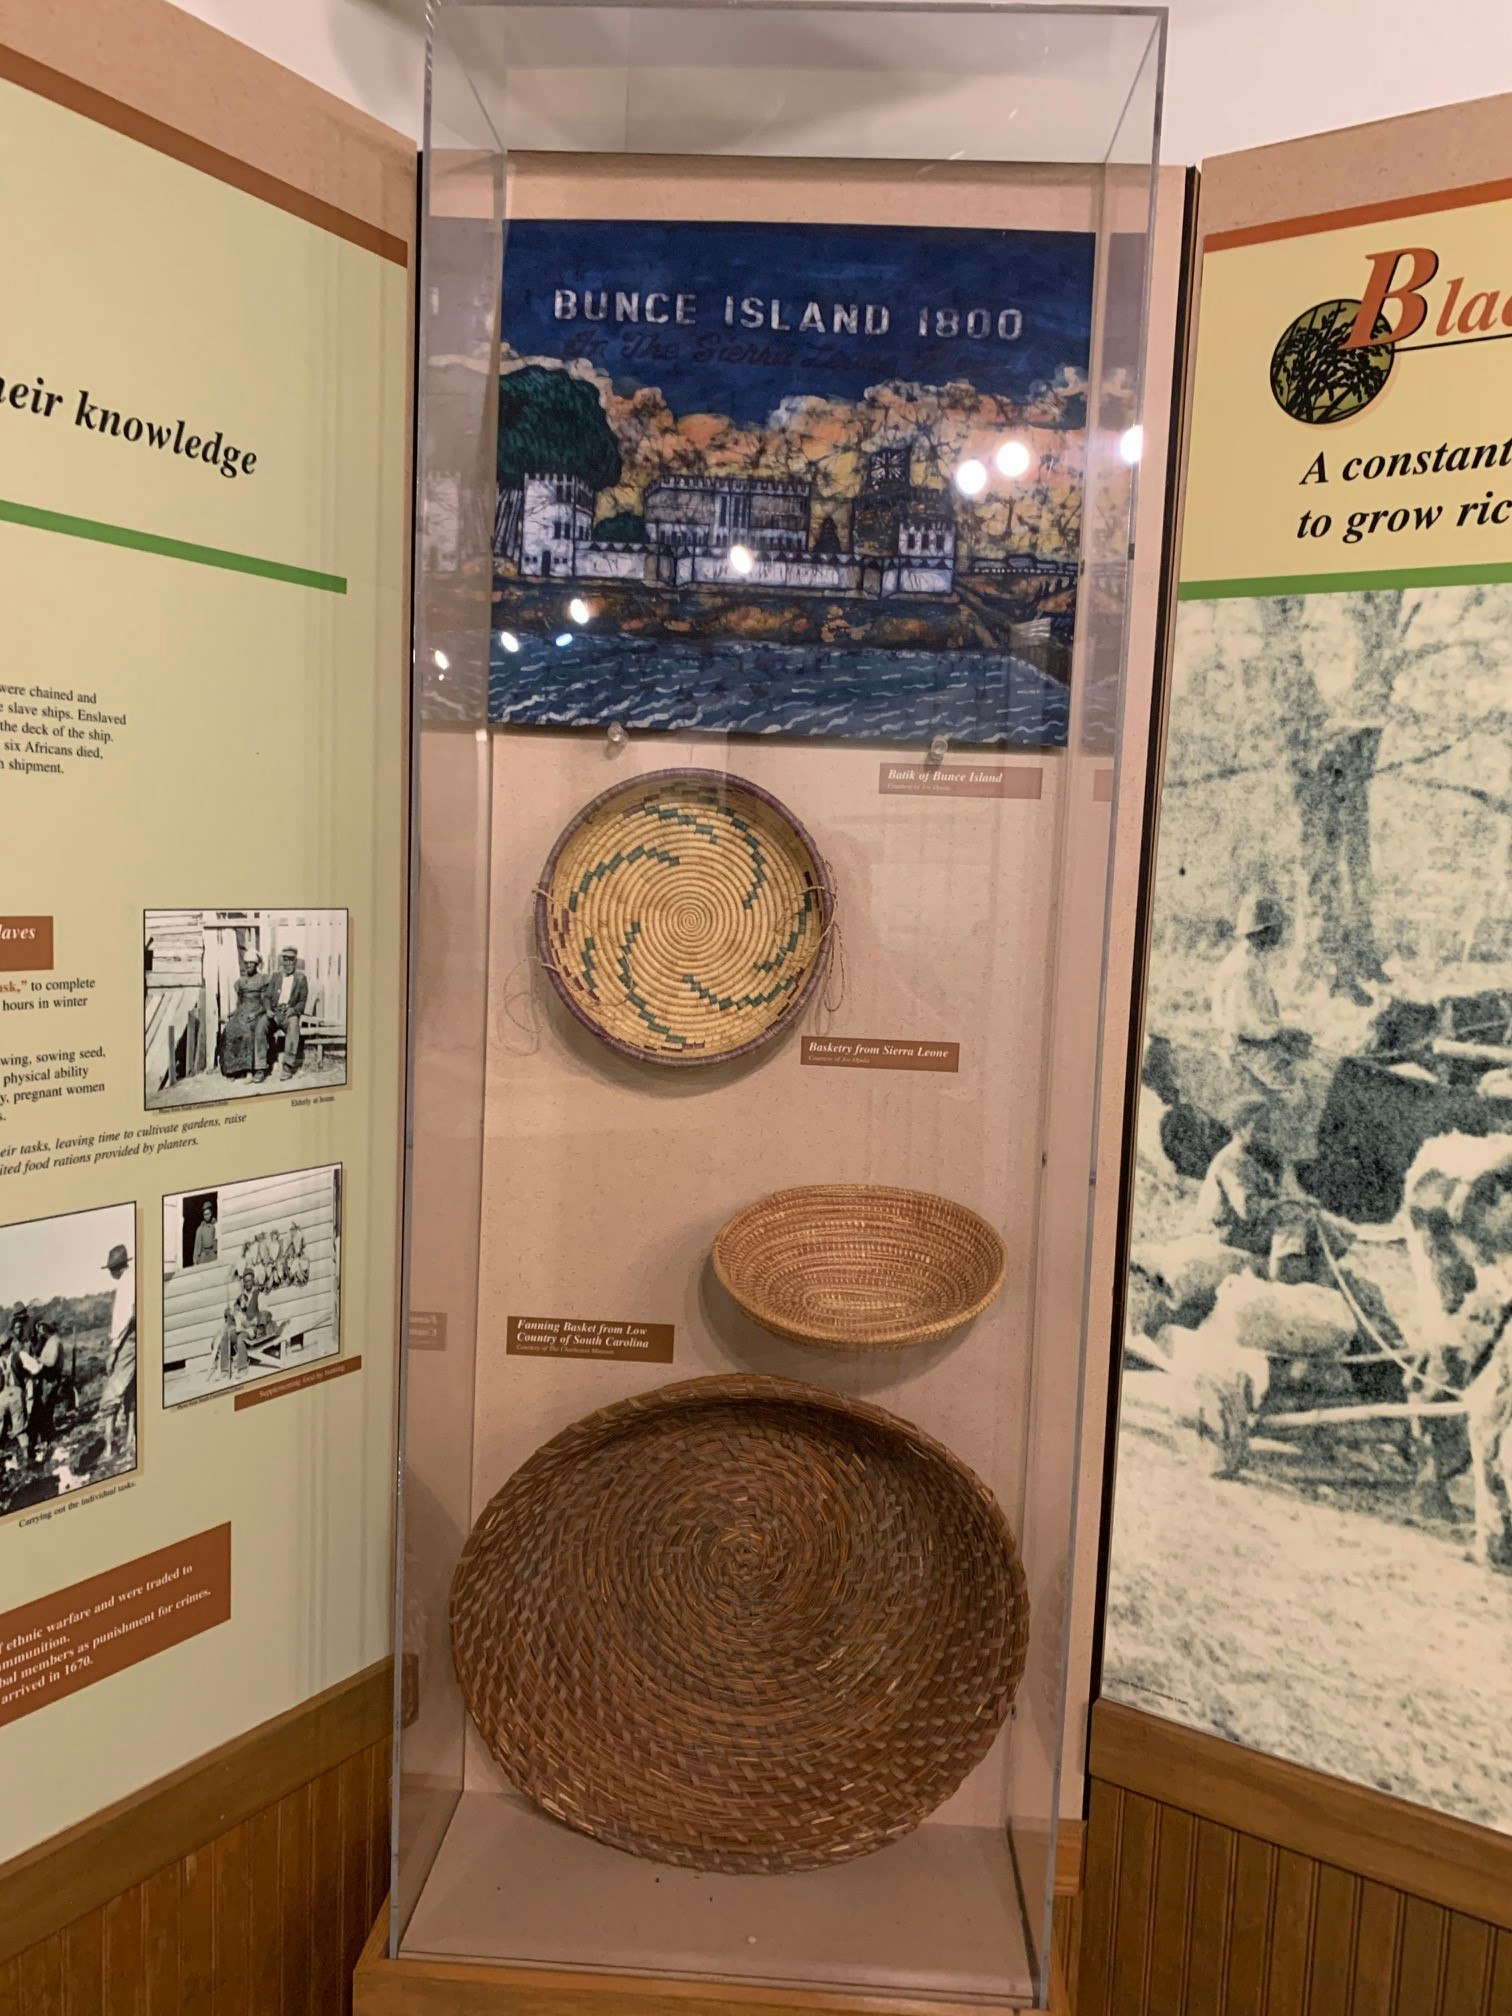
(779,410)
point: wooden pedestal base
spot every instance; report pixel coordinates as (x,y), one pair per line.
(384,1987)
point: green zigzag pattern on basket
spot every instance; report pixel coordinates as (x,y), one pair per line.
(638,1002)
(758,860)
(725,1002)
(600,868)
(588,975)
(722,1002)
(752,842)
(799,930)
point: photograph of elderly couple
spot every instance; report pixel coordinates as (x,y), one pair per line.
(1311,1549)
(239,1003)
(68,1354)
(251,1280)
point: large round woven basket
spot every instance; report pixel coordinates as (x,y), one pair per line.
(857,1267)
(683,916)
(740,1624)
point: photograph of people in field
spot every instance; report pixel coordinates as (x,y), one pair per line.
(1314,1483)
(68,1354)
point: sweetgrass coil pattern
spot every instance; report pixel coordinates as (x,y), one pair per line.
(858,1266)
(740,1624)
(683,916)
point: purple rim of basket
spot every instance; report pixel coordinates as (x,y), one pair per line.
(727,780)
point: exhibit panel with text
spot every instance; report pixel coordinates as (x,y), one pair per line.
(202,564)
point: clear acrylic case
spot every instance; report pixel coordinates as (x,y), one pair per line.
(964,828)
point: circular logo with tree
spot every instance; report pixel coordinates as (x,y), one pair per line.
(1314,378)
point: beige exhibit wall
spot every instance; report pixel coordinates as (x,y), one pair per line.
(605,1181)
(240,641)
(1330,1587)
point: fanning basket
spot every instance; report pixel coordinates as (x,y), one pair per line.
(857,1267)
(683,917)
(740,1624)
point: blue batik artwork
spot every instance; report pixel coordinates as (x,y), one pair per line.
(779,479)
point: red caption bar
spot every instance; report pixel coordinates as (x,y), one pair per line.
(588,1337)
(26,944)
(880,1053)
(85,1633)
(316,1376)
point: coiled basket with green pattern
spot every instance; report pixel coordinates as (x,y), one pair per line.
(684,917)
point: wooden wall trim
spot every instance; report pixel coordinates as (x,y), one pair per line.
(18,68)
(166,64)
(1401,159)
(1351,1827)
(1070,1840)
(79,1871)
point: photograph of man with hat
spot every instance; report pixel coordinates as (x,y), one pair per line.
(1269,1053)
(288,996)
(14,1426)
(118,1404)
(67,1354)
(1245,1009)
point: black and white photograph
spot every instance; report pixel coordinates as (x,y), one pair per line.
(1312,1529)
(251,1281)
(242,1003)
(68,1354)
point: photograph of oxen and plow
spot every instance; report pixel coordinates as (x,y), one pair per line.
(1314,1493)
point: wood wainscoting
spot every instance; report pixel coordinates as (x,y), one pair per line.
(243,1885)
(1219,1882)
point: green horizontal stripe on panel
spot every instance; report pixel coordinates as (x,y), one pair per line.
(1344,584)
(172,549)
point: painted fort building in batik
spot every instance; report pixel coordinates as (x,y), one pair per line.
(742,531)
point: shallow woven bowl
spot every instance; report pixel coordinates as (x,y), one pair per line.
(683,916)
(856,1267)
(740,1624)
